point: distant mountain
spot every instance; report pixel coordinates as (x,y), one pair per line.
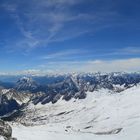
(87,82)
(78,82)
(26,83)
(29,90)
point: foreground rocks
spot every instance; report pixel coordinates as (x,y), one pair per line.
(5,131)
(114,131)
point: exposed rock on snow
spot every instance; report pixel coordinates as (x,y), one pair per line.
(114,131)
(5,131)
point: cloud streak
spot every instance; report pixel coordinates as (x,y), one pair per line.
(44,20)
(64,54)
(93,66)
(118,65)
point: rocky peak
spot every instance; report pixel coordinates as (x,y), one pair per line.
(26,83)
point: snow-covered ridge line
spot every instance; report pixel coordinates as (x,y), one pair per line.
(64,74)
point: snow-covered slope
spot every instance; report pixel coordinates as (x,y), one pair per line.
(102,115)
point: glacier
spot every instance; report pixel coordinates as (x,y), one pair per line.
(102,115)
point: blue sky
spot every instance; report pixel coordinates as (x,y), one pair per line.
(69,35)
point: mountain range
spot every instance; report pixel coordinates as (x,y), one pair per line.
(56,99)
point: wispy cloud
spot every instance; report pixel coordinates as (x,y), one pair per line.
(125,51)
(44,20)
(118,65)
(127,65)
(131,50)
(64,54)
(87,55)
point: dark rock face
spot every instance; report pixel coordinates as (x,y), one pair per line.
(6,131)
(12,101)
(80,95)
(54,92)
(8,106)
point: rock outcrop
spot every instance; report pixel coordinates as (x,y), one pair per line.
(5,131)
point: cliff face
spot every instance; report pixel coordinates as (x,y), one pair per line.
(5,131)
